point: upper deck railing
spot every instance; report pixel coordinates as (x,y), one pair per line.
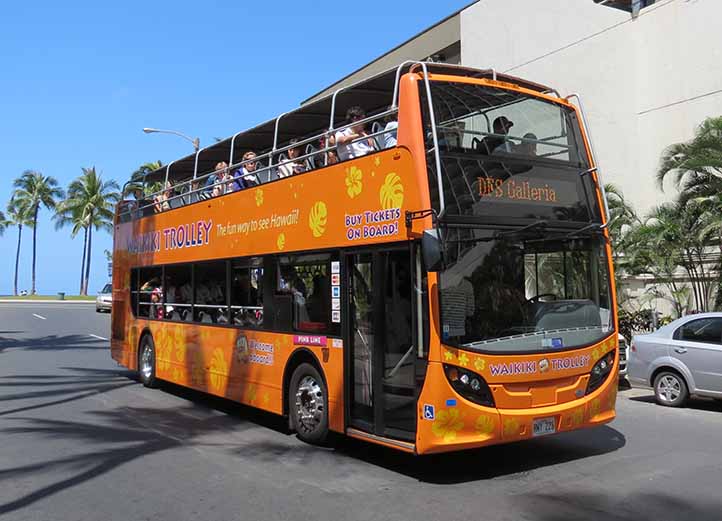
(262,167)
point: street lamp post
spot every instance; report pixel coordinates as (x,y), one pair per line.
(196,142)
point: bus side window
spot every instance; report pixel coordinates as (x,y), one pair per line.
(177,292)
(247,293)
(134,290)
(210,305)
(150,294)
(303,293)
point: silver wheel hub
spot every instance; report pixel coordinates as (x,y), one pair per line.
(309,404)
(146,361)
(669,388)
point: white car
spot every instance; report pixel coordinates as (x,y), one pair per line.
(104,301)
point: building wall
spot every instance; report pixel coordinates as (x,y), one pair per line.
(646,82)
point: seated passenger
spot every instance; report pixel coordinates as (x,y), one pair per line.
(248,170)
(161,202)
(528,148)
(329,157)
(290,166)
(350,141)
(389,135)
(220,175)
(498,142)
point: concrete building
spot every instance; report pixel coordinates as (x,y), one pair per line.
(649,72)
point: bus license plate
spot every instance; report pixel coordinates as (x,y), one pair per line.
(543,426)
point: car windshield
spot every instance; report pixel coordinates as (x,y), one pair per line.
(527,290)
(108,288)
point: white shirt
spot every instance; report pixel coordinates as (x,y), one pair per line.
(352,150)
(390,137)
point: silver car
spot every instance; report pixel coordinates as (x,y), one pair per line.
(680,359)
(104,301)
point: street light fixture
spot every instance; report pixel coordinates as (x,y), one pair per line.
(196,142)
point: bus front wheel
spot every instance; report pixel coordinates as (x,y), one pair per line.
(308,404)
(146,361)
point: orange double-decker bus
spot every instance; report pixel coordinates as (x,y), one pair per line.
(420,260)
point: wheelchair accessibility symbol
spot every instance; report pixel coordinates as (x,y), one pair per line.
(429,413)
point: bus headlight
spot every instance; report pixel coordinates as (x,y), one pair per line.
(601,371)
(469,385)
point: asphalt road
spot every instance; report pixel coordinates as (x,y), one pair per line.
(81,440)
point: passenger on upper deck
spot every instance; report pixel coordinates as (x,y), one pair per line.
(329,157)
(389,135)
(291,166)
(248,171)
(161,202)
(497,143)
(528,148)
(348,147)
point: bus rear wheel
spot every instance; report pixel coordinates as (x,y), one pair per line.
(146,362)
(308,404)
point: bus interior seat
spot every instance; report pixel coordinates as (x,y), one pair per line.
(378,140)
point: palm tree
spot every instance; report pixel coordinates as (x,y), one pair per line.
(17,216)
(137,178)
(90,204)
(66,215)
(33,190)
(4,223)
(695,168)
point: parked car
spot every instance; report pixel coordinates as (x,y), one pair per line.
(680,359)
(623,356)
(104,301)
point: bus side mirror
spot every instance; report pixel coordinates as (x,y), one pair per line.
(431,250)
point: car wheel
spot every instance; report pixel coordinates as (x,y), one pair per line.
(670,389)
(308,404)
(97,309)
(146,361)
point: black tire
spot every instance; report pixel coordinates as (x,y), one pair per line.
(97,310)
(146,366)
(670,389)
(308,404)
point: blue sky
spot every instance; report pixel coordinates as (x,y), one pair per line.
(79,80)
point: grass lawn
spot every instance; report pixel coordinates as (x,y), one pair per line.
(47,297)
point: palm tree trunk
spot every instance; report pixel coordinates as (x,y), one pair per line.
(35,231)
(87,267)
(17,260)
(82,263)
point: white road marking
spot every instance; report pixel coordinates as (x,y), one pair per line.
(39,316)
(98,337)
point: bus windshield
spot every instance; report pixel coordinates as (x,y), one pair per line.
(507,154)
(531,291)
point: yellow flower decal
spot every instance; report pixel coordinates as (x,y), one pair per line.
(511,427)
(197,370)
(391,194)
(377,161)
(447,424)
(281,241)
(594,407)
(595,355)
(177,374)
(251,393)
(577,417)
(163,351)
(317,218)
(485,424)
(480,364)
(463,360)
(218,369)
(266,399)
(448,355)
(612,399)
(259,196)
(354,185)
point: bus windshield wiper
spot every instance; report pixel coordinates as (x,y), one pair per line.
(540,224)
(590,226)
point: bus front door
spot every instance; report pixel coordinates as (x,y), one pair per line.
(381,357)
